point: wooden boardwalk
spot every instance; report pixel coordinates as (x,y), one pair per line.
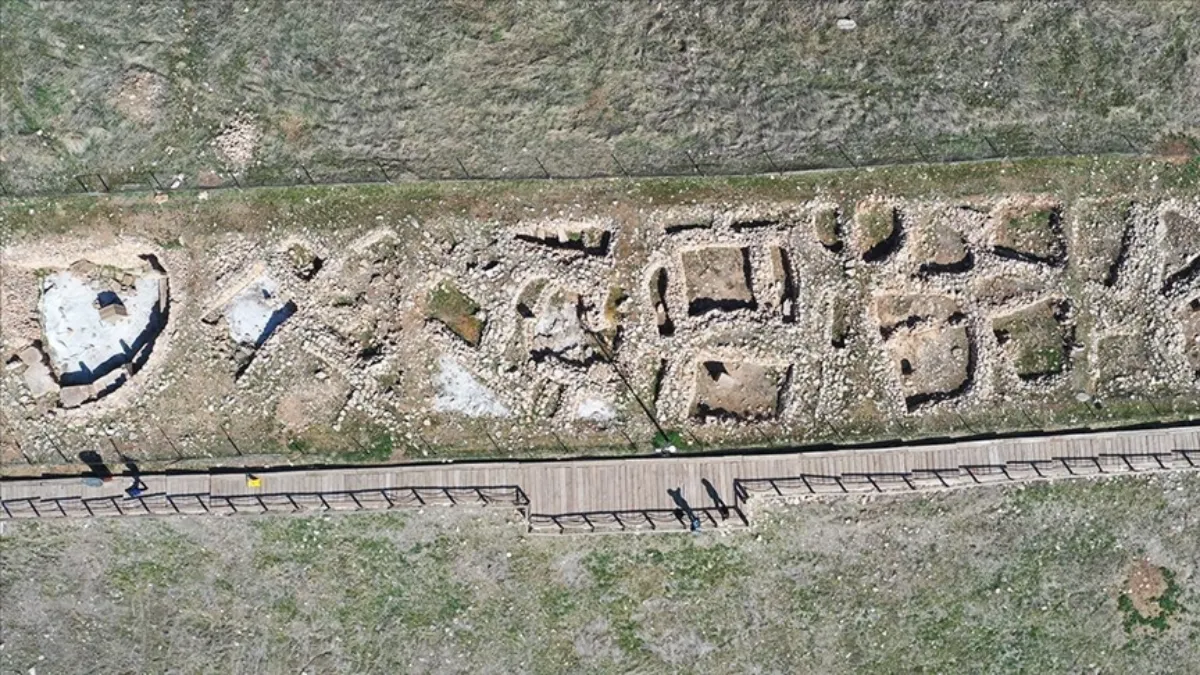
(618,493)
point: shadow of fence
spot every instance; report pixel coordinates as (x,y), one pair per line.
(165,503)
(961,476)
(161,503)
(635,520)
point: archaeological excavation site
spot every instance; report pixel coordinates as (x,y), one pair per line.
(606,328)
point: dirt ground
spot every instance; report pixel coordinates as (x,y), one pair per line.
(987,580)
(197,90)
(518,318)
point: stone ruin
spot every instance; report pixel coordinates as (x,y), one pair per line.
(780,314)
(99,326)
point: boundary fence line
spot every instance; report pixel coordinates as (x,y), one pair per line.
(991,144)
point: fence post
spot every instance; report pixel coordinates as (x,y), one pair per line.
(618,163)
(230,439)
(845,155)
(492,440)
(920,152)
(770,161)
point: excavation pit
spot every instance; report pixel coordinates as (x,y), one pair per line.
(717,278)
(1029,230)
(1035,337)
(933,363)
(740,390)
(254,314)
(99,325)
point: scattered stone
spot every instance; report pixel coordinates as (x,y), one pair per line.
(141,96)
(238,142)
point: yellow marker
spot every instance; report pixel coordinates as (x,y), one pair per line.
(253,481)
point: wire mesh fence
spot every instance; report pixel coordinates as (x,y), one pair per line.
(617,160)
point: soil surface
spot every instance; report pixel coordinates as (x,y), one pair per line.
(1146,585)
(1034,572)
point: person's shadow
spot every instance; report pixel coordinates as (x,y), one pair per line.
(715,496)
(682,508)
(95,464)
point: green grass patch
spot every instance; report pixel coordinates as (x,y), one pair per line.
(1035,338)
(456,311)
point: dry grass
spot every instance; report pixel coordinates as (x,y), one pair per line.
(987,580)
(438,89)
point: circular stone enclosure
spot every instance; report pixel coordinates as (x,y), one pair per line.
(99,326)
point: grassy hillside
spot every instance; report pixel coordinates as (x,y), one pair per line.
(439,89)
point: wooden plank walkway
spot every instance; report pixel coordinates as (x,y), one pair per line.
(552,490)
